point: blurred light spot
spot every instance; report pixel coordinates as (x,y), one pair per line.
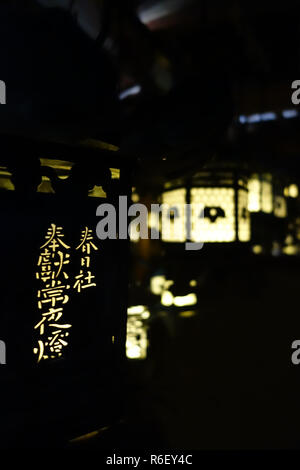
(258,117)
(168,284)
(257,249)
(291,250)
(290,113)
(156,10)
(293,191)
(135,90)
(268,117)
(135,197)
(188,314)
(136,310)
(145,315)
(167,299)
(157,284)
(190,299)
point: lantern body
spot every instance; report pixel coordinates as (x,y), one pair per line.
(218,224)
(219,207)
(64,295)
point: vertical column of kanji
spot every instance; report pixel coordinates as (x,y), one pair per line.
(85,277)
(52,296)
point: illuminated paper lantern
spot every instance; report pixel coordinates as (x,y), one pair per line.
(219,205)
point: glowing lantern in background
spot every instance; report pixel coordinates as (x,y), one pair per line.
(137,332)
(219,202)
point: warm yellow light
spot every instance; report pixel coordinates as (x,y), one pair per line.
(134,233)
(168,284)
(187,314)
(54,288)
(291,250)
(97,191)
(193,283)
(257,249)
(137,339)
(254,194)
(145,315)
(260,194)
(167,299)
(157,284)
(135,197)
(62,167)
(213,227)
(5,180)
(153,221)
(133,351)
(293,191)
(213,217)
(115,173)
(280,207)
(136,310)
(187,300)
(267,197)
(174,230)
(244,220)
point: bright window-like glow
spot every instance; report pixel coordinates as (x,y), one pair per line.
(217,228)
(185,301)
(137,336)
(254,195)
(213,215)
(260,194)
(136,310)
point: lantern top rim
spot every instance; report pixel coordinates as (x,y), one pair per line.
(21,147)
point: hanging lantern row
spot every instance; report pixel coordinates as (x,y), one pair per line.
(228,199)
